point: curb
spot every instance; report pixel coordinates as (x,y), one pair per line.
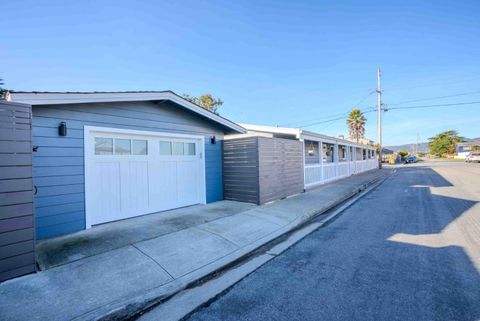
(192,299)
(132,307)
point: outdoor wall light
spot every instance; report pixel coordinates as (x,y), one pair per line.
(213,139)
(62,129)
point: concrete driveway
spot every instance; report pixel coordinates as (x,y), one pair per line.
(111,236)
(409,250)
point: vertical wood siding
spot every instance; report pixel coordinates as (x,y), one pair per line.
(262,169)
(17,255)
(59,161)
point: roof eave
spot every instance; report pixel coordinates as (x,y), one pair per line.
(83,98)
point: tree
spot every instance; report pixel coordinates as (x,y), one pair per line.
(444,143)
(403,153)
(205,101)
(2,90)
(356,124)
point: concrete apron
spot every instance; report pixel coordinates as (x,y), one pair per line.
(114,235)
(121,283)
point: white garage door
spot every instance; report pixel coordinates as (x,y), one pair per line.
(131,173)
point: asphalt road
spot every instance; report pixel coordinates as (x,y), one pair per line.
(409,250)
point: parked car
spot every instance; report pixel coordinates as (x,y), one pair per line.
(410,159)
(473,157)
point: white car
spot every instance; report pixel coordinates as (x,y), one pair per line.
(473,157)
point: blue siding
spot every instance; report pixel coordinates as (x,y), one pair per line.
(213,171)
(59,164)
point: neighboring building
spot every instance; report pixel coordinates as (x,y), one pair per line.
(364,141)
(104,156)
(386,154)
(325,158)
(462,149)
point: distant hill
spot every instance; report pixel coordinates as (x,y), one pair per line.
(422,147)
(472,139)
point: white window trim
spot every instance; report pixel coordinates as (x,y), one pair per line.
(89,145)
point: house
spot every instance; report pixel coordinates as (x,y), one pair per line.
(318,159)
(462,149)
(105,156)
(386,154)
(364,141)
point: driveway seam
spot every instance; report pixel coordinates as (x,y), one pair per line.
(153,261)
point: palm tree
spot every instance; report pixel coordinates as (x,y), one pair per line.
(356,124)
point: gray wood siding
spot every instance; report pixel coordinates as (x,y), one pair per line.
(281,168)
(59,163)
(240,170)
(17,248)
(262,169)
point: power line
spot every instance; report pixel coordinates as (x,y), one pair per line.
(345,116)
(433,84)
(327,117)
(433,98)
(437,105)
(372,109)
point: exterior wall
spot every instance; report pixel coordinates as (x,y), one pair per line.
(214,170)
(280,168)
(240,170)
(261,169)
(17,245)
(59,161)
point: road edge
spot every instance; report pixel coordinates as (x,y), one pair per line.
(180,306)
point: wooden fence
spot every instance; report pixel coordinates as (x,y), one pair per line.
(262,169)
(17,233)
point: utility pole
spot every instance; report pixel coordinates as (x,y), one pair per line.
(416,146)
(379,118)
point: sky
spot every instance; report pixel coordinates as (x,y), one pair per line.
(286,63)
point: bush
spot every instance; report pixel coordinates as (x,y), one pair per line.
(392,159)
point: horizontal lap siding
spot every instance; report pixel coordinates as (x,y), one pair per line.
(59,163)
(17,236)
(213,170)
(240,170)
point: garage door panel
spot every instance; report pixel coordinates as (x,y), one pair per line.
(164,185)
(187,190)
(128,179)
(136,188)
(107,198)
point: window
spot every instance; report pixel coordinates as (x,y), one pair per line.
(311,152)
(189,148)
(165,148)
(177,148)
(123,146)
(342,153)
(103,146)
(328,152)
(139,147)
(359,154)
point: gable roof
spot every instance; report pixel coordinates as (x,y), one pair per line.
(60,98)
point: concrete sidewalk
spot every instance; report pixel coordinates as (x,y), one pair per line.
(121,282)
